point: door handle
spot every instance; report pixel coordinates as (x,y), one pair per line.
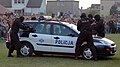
(34,35)
(56,38)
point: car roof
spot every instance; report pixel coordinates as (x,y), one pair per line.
(58,22)
(31,21)
(36,21)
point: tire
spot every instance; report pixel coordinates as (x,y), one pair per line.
(87,53)
(26,49)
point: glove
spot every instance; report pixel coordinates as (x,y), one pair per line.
(32,29)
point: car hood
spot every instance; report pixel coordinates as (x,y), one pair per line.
(108,40)
(104,41)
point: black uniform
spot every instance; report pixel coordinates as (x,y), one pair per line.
(15,43)
(84,26)
(93,24)
(99,26)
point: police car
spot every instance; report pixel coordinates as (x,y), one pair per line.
(59,37)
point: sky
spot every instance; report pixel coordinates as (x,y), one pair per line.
(87,3)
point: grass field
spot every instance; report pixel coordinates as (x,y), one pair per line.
(59,61)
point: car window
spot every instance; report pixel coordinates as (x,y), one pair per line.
(56,30)
(30,24)
(47,29)
(62,30)
(43,28)
(66,31)
(39,28)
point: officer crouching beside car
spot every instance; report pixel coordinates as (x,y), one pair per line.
(84,26)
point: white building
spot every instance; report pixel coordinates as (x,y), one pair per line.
(26,7)
(66,7)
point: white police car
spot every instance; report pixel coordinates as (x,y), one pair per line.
(59,37)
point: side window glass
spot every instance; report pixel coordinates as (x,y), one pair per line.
(39,28)
(66,31)
(56,30)
(43,28)
(47,29)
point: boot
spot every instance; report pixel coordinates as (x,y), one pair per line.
(95,59)
(10,55)
(19,56)
(76,58)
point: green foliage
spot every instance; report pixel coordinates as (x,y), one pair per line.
(93,11)
(107,18)
(59,60)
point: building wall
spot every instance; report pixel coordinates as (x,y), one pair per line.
(61,0)
(42,9)
(106,6)
(29,11)
(19,6)
(63,6)
(76,10)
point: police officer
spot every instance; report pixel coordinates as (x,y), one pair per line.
(93,24)
(41,18)
(84,26)
(15,43)
(99,26)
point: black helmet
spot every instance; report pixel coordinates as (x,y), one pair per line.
(97,17)
(21,19)
(90,16)
(41,18)
(83,15)
(33,18)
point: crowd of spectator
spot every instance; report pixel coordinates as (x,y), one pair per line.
(112,27)
(6,20)
(5,24)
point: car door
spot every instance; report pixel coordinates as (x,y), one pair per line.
(41,39)
(64,39)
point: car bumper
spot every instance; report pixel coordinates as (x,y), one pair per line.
(107,50)
(110,50)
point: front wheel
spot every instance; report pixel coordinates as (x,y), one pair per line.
(87,53)
(26,49)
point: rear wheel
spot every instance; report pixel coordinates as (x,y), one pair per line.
(87,53)
(26,49)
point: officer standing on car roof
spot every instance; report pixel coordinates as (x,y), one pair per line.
(99,26)
(15,43)
(84,26)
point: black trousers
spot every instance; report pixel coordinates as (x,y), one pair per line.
(85,38)
(15,43)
